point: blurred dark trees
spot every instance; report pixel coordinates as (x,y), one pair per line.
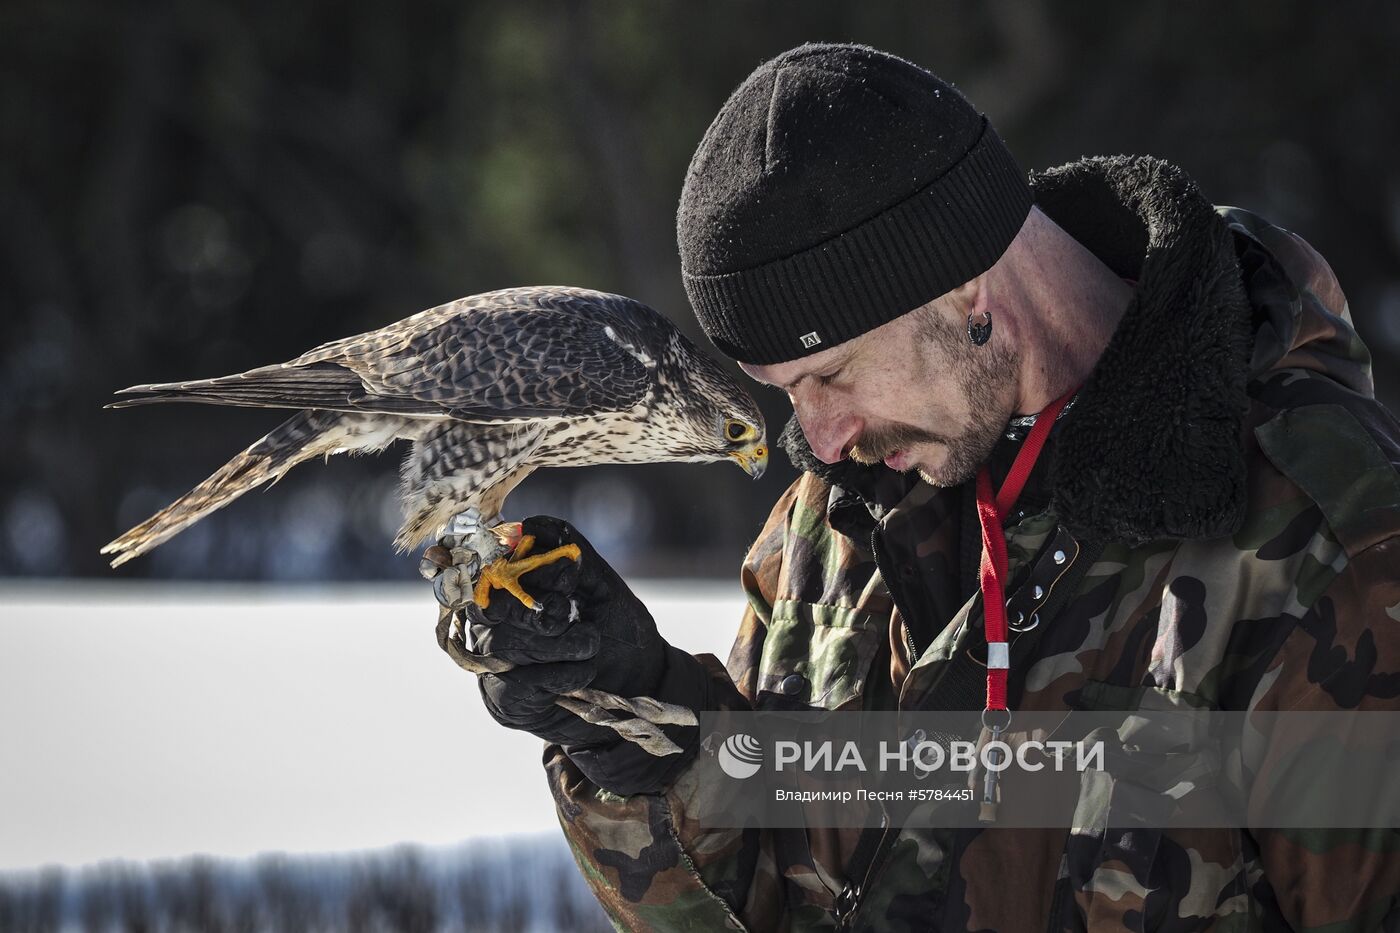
(396,895)
(528,883)
(195,188)
(35,907)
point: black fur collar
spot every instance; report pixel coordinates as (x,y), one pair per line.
(1154,446)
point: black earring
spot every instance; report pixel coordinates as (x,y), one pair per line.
(980,333)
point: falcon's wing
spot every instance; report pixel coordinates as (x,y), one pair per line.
(543,354)
(506,364)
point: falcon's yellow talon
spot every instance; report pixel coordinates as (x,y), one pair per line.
(505,574)
(481,595)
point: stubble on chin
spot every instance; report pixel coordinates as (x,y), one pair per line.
(963,457)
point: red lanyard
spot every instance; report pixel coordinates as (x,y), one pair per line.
(990,511)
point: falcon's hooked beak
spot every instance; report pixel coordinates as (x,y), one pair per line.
(753,458)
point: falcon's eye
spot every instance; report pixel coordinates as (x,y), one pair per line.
(737,431)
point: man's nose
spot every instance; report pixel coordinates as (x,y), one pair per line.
(830,434)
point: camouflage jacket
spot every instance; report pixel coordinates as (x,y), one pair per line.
(1226,492)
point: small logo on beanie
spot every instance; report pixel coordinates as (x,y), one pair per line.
(810,340)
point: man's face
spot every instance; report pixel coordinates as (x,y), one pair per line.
(913,393)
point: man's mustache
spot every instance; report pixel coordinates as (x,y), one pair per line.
(877,444)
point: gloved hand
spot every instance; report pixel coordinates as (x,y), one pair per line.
(591,631)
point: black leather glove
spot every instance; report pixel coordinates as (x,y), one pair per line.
(591,631)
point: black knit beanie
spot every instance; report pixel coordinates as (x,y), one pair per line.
(839,188)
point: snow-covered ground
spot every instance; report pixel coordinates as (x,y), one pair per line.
(153,721)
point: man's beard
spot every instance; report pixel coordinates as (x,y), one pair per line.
(982,374)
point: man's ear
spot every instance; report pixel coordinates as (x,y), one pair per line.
(971,296)
(980,301)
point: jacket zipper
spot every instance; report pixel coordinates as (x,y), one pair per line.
(846,913)
(890,585)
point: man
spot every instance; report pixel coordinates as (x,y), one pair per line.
(1211,522)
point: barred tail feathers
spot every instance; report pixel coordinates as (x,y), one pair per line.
(305,435)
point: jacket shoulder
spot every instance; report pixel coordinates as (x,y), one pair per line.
(1307,271)
(1301,317)
(1344,455)
(1316,420)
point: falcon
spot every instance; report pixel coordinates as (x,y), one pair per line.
(486,389)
